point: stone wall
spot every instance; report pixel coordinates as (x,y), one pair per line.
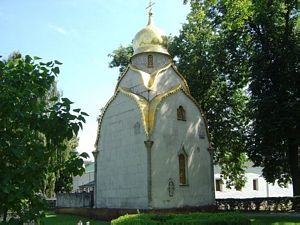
(259,204)
(74,200)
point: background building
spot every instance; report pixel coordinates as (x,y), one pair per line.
(255,187)
(86,181)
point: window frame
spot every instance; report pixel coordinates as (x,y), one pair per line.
(219,184)
(150,63)
(183,159)
(255,184)
(181,113)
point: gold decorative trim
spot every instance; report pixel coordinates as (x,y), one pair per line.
(148,108)
(201,112)
(101,117)
(182,77)
(142,104)
(121,77)
(149,79)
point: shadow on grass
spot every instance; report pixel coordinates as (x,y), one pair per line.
(275,220)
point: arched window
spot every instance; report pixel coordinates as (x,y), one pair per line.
(150,61)
(181,113)
(182,169)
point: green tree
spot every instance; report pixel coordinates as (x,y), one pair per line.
(241,60)
(121,57)
(268,40)
(274,137)
(32,133)
(207,57)
(210,54)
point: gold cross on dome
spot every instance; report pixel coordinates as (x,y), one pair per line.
(150,7)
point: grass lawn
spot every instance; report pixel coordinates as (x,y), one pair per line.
(59,219)
(267,220)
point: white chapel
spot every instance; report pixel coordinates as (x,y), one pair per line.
(152,147)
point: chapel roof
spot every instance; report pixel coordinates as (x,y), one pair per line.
(150,39)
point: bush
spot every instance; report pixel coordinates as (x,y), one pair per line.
(183,219)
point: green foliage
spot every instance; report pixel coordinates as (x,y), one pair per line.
(209,54)
(191,219)
(33,133)
(241,61)
(71,167)
(275,80)
(121,57)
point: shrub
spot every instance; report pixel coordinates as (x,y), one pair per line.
(183,219)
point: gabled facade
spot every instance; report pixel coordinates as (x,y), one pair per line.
(152,148)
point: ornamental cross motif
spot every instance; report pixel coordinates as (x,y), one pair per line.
(150,7)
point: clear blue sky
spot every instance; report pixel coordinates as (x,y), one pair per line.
(81,34)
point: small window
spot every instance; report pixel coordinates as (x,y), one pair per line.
(255,184)
(150,61)
(181,113)
(219,185)
(182,169)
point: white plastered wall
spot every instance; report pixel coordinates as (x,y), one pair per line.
(121,162)
(163,82)
(169,136)
(264,189)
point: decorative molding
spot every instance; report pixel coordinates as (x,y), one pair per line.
(146,108)
(182,151)
(149,79)
(148,144)
(171,187)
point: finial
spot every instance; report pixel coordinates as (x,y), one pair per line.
(150,12)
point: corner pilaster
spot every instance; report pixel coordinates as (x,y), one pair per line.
(149,145)
(95,154)
(210,149)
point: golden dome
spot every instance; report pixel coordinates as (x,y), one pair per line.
(150,39)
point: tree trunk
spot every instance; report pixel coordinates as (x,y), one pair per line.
(294,165)
(5,215)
